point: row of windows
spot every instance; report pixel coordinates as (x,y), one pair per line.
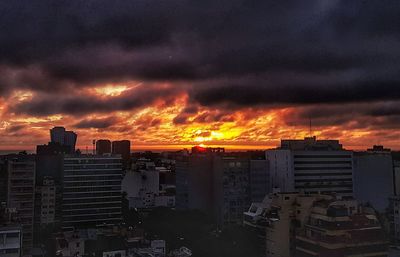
(83,195)
(91,211)
(93,172)
(84,218)
(90,200)
(86,206)
(322,156)
(322,162)
(322,186)
(92,167)
(323,174)
(323,168)
(92,161)
(94,177)
(92,189)
(326,180)
(92,183)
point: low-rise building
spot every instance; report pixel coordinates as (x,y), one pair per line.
(341,229)
(10,241)
(305,225)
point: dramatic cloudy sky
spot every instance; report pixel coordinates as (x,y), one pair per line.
(176,72)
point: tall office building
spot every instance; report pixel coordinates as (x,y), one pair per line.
(91,191)
(21,195)
(311,166)
(64,138)
(103,146)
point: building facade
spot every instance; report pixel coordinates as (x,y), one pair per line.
(219,183)
(311,166)
(91,191)
(341,229)
(64,138)
(21,195)
(374,169)
(103,146)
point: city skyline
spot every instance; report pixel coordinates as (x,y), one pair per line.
(237,74)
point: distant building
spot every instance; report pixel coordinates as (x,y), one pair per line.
(91,191)
(52,149)
(103,146)
(64,138)
(374,169)
(122,148)
(10,241)
(21,195)
(311,166)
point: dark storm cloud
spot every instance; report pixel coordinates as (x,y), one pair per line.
(384,115)
(100,123)
(232,52)
(82,103)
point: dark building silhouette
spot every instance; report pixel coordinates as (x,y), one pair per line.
(63,137)
(123,148)
(52,149)
(103,146)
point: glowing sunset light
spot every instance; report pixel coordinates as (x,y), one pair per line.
(111,90)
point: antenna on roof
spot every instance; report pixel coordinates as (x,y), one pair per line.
(310,128)
(94,147)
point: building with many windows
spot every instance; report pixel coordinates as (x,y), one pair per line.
(311,166)
(21,195)
(91,191)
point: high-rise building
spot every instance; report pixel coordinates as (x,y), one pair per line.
(122,148)
(64,138)
(311,166)
(374,169)
(103,146)
(219,183)
(21,194)
(91,191)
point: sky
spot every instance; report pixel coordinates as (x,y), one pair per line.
(171,74)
